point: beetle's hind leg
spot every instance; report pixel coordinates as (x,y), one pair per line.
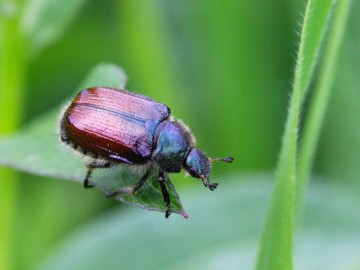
(90,167)
(132,189)
(165,193)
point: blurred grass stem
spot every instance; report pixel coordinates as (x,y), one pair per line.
(12,74)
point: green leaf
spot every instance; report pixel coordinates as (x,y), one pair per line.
(276,244)
(44,21)
(221,233)
(37,150)
(148,197)
(107,75)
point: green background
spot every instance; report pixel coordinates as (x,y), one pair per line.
(226,69)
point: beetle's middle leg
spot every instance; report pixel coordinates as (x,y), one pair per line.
(94,165)
(165,193)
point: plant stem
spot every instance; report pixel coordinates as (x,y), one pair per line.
(12,74)
(317,109)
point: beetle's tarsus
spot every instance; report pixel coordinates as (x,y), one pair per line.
(165,193)
(87,183)
(141,182)
(213,186)
(124,191)
(111,194)
(167,213)
(131,189)
(93,165)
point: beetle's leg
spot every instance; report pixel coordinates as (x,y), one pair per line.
(141,182)
(206,182)
(93,165)
(165,193)
(86,182)
(131,190)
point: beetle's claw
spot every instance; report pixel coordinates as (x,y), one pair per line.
(213,186)
(130,190)
(124,191)
(168,211)
(87,183)
(111,194)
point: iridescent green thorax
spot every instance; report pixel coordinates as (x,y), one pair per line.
(173,143)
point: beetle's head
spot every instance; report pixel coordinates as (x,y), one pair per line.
(198,165)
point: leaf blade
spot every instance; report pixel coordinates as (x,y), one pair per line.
(121,237)
(44,21)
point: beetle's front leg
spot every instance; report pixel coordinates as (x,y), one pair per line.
(206,182)
(165,193)
(93,165)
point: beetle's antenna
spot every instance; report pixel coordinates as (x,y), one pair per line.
(226,159)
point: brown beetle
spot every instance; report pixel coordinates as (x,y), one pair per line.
(113,126)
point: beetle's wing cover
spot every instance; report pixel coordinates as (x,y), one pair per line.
(127,104)
(114,124)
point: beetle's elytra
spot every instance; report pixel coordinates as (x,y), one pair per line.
(113,127)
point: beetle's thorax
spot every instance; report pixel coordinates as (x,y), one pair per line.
(173,141)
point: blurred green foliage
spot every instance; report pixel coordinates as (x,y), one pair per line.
(224,67)
(205,60)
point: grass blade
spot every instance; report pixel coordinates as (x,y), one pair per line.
(315,29)
(276,244)
(319,102)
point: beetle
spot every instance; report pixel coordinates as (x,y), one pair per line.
(117,127)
